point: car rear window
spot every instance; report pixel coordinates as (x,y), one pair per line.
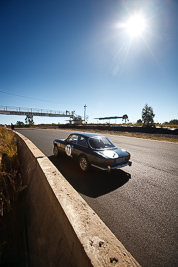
(100,142)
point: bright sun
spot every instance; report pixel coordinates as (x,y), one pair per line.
(135,25)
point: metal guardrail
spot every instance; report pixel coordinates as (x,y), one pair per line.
(8,110)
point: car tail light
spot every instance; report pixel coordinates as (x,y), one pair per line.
(127,158)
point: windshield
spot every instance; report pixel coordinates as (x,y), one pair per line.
(100,142)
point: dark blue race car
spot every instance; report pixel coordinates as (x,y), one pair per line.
(91,149)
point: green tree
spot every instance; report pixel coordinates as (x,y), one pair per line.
(125,117)
(77,119)
(139,121)
(20,123)
(29,120)
(174,122)
(147,115)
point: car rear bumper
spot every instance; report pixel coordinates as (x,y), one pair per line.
(109,168)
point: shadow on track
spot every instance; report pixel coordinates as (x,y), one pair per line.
(94,183)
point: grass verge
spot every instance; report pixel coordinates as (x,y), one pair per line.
(151,136)
(159,137)
(10,206)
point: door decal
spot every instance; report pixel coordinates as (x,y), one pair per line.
(68,150)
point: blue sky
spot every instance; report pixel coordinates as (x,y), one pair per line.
(63,54)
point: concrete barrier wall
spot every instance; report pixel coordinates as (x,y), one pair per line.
(61,229)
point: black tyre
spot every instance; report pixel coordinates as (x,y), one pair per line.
(56,151)
(84,164)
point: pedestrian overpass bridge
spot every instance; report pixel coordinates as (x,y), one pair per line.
(6,110)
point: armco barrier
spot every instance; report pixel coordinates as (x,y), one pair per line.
(61,229)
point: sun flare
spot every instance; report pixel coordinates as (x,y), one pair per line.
(136,25)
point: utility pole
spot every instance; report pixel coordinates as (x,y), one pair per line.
(85,113)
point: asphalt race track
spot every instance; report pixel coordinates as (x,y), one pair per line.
(139,203)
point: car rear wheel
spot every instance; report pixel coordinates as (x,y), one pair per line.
(84,164)
(56,151)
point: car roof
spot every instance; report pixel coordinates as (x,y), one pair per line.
(87,134)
